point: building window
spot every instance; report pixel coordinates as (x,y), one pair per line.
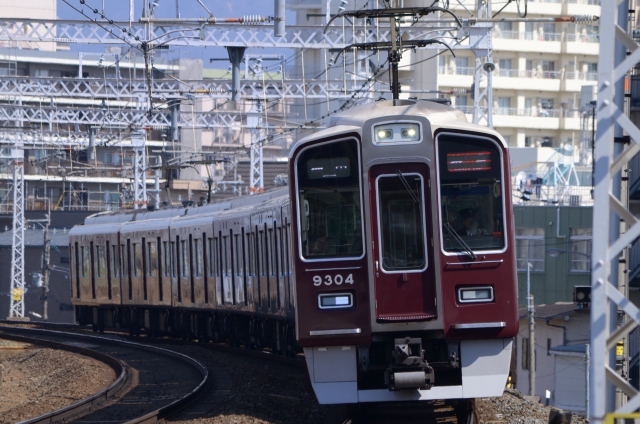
(461,102)
(462,66)
(504,68)
(504,105)
(580,252)
(530,248)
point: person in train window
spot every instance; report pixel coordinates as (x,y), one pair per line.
(471,225)
(321,246)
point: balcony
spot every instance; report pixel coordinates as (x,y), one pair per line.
(546,42)
(518,79)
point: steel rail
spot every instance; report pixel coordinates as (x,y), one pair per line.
(77,409)
(150,416)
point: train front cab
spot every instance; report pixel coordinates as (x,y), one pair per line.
(378,313)
(95,273)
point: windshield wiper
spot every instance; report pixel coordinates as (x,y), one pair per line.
(406,185)
(456,236)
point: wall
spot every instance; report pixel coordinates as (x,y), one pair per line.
(556,282)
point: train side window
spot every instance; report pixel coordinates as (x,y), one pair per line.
(173,259)
(184,258)
(123,260)
(152,259)
(115,270)
(101,270)
(86,260)
(210,254)
(137,260)
(166,254)
(198,258)
(245,265)
(256,239)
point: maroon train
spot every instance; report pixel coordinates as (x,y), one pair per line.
(390,262)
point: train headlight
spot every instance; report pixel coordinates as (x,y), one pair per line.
(409,133)
(475,294)
(385,134)
(396,133)
(335,300)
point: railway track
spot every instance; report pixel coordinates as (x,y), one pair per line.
(230,370)
(152,382)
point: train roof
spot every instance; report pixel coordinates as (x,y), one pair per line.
(435,112)
(438,115)
(176,212)
(102,228)
(146,225)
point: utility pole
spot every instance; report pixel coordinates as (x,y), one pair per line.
(532,335)
(45,266)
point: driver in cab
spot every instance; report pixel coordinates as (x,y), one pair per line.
(470,224)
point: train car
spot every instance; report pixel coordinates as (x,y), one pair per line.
(389,260)
(404,256)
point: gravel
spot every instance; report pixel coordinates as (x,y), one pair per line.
(243,390)
(513,408)
(41,380)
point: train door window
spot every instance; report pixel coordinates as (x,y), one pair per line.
(238,256)
(225,256)
(152,259)
(198,258)
(329,201)
(76,269)
(184,258)
(210,255)
(173,259)
(248,255)
(259,248)
(245,265)
(101,269)
(123,260)
(401,226)
(471,193)
(115,270)
(137,260)
(166,254)
(86,260)
(272,245)
(215,265)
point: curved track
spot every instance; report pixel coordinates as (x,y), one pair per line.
(153,382)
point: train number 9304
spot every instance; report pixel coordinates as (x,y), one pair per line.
(329,280)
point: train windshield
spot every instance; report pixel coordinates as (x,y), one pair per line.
(470,172)
(330,218)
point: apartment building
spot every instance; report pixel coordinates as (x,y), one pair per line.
(540,67)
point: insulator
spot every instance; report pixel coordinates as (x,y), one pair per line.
(253,19)
(343,4)
(460,90)
(584,18)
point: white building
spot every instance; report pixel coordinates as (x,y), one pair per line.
(561,339)
(540,67)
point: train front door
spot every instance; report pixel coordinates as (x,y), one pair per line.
(402,236)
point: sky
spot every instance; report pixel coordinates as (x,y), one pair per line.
(119,10)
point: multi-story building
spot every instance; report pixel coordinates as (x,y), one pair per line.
(541,68)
